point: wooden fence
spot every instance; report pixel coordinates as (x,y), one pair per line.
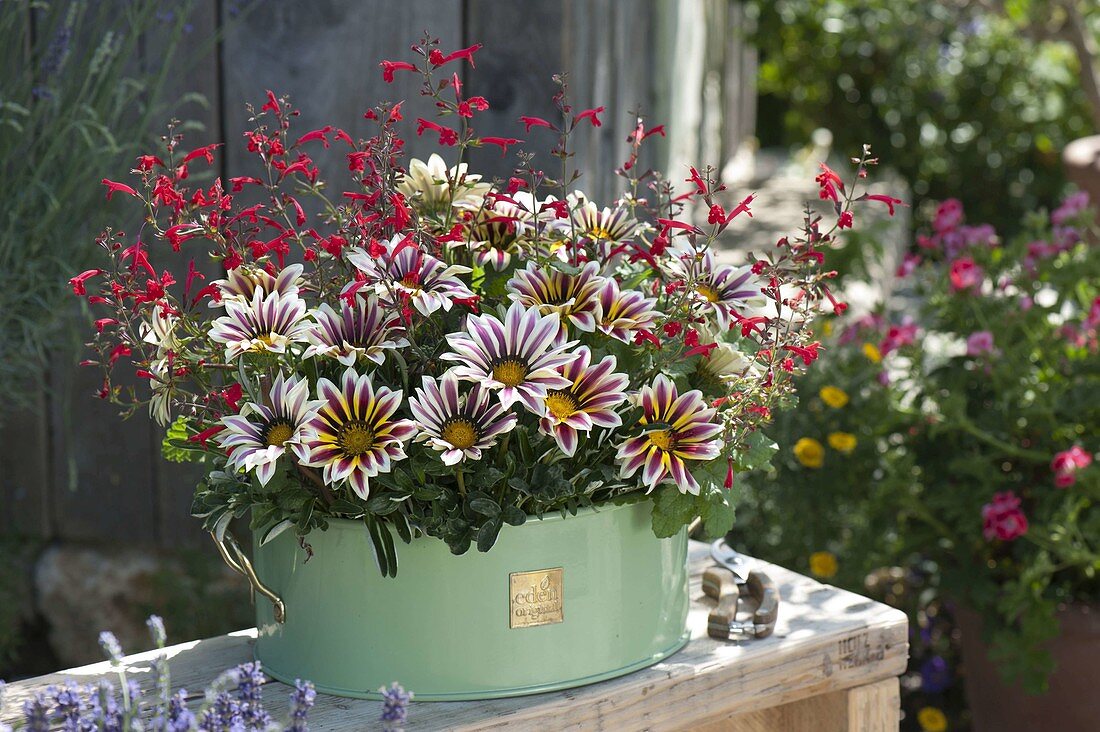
(71,471)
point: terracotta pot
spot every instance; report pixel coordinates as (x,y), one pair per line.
(1072,703)
(1082,162)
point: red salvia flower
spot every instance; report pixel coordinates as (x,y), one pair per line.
(77,283)
(502,142)
(590,115)
(388,67)
(436,57)
(535,122)
(113,188)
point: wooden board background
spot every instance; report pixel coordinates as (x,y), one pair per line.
(71,471)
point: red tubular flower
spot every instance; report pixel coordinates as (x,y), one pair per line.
(119,351)
(388,67)
(845,220)
(716,215)
(535,122)
(146,162)
(729,474)
(590,115)
(315,135)
(808,354)
(502,142)
(890,201)
(447,136)
(644,336)
(113,188)
(829,182)
(103,323)
(700,184)
(741,208)
(203,437)
(77,282)
(437,58)
(202,152)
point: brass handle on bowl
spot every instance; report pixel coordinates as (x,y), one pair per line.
(238,561)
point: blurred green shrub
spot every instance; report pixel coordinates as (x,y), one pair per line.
(962,100)
(76,99)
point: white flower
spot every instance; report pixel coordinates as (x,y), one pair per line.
(268,323)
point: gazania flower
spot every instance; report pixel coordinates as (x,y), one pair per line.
(721,288)
(518,358)
(159,330)
(242,282)
(809,452)
(270,322)
(458,427)
(590,400)
(354,436)
(724,364)
(681,428)
(573,297)
(499,231)
(405,271)
(607,224)
(428,186)
(164,390)
(256,438)
(622,312)
(363,330)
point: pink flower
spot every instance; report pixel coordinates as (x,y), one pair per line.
(1070,208)
(898,336)
(908,265)
(1066,464)
(1002,518)
(965,274)
(948,215)
(978,343)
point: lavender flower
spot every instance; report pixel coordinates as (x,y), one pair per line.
(156,628)
(180,718)
(395,703)
(250,695)
(36,714)
(110,645)
(301,701)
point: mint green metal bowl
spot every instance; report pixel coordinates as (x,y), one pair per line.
(444,628)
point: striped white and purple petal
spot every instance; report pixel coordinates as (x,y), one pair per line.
(458,425)
(574,297)
(607,224)
(271,322)
(595,391)
(241,283)
(500,230)
(721,289)
(404,271)
(679,427)
(362,330)
(256,438)
(623,312)
(518,358)
(354,435)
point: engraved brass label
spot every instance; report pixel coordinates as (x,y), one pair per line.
(535,598)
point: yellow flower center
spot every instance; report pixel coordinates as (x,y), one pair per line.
(412,281)
(708,292)
(460,432)
(277,433)
(664,439)
(510,372)
(598,232)
(355,438)
(561,404)
(266,342)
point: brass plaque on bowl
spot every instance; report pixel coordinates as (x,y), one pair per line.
(535,598)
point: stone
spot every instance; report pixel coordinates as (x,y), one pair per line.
(82,590)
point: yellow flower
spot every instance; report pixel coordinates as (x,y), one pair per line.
(823,564)
(834,397)
(827,328)
(843,442)
(932,719)
(809,452)
(870,350)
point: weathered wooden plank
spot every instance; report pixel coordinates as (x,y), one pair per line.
(523,50)
(325,55)
(827,641)
(24,468)
(198,60)
(103,486)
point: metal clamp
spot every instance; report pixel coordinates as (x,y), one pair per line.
(238,561)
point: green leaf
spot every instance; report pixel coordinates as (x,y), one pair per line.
(514,516)
(276,530)
(758,453)
(487,534)
(672,510)
(484,505)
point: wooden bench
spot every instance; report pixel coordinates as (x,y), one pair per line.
(832,664)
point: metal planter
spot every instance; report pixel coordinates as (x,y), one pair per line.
(556,603)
